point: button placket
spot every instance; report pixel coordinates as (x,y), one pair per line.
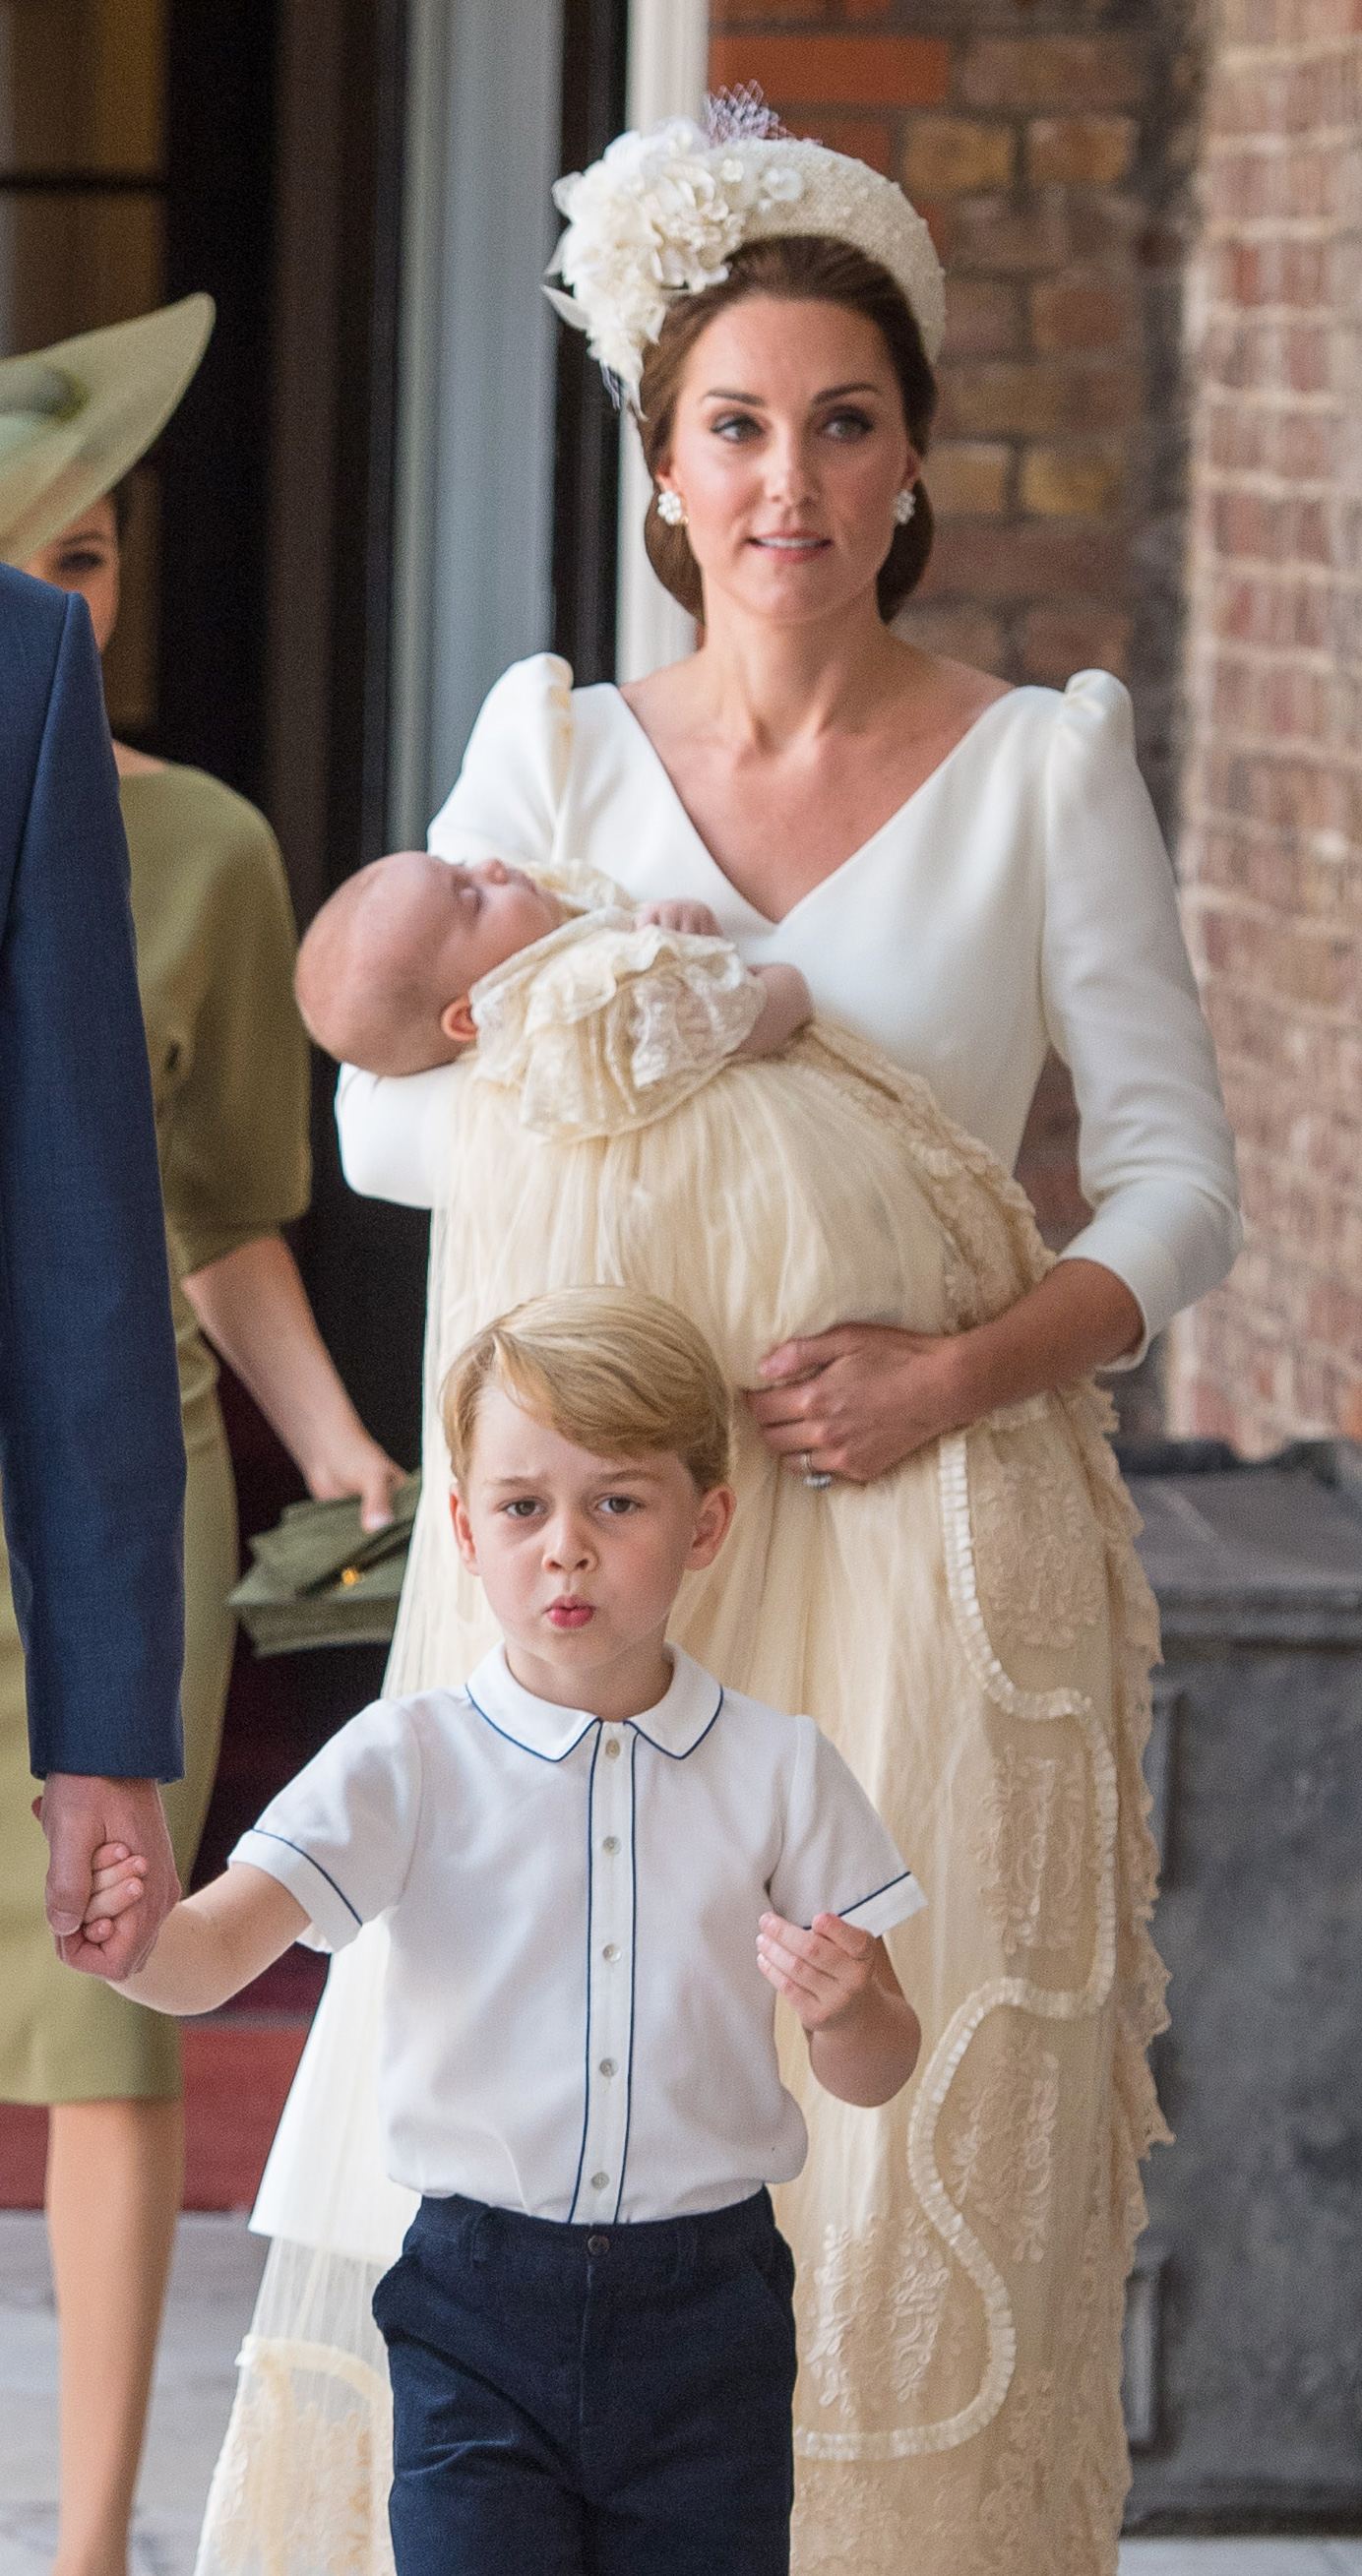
(611,1980)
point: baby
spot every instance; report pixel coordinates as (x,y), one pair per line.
(388,973)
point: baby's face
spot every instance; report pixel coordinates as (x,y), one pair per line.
(460,921)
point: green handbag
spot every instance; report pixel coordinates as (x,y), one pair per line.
(318,1579)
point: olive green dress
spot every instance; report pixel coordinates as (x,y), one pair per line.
(229,1066)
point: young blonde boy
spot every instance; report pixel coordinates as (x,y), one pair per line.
(590,1856)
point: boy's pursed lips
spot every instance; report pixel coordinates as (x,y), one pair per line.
(570,1611)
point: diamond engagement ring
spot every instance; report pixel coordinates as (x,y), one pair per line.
(813,1476)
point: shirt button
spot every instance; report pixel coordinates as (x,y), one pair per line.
(611,1950)
(612,1748)
(600,2182)
(611,1843)
(608,2066)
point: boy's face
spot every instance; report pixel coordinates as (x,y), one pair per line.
(581,1557)
(461,921)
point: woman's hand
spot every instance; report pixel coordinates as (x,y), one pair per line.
(857,1401)
(353,1463)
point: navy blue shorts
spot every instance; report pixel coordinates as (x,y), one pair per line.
(578,2401)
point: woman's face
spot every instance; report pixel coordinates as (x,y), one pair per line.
(788,447)
(85,558)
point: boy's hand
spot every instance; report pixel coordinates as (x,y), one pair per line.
(118,1882)
(696,918)
(823,1972)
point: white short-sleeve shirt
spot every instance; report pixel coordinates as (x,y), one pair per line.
(575,2024)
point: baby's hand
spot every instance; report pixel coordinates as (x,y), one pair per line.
(823,1972)
(693,917)
(117,1883)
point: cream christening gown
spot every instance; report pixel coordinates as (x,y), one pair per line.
(974,1633)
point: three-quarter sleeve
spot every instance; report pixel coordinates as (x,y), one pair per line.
(1156,1157)
(236,1157)
(505,801)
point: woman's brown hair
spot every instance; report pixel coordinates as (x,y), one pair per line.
(803,268)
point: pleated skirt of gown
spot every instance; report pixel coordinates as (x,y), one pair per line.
(975,1634)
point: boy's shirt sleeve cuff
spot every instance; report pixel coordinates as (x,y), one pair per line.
(885,1906)
(333,1918)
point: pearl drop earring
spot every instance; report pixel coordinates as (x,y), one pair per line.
(671,509)
(905,503)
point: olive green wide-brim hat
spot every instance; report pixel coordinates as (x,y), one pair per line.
(74,418)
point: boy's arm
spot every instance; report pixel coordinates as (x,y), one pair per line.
(863,2034)
(786,1005)
(213,1944)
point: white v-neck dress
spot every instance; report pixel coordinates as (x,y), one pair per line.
(973,1631)
(1022,898)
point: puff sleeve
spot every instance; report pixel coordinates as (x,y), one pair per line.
(340,1836)
(505,801)
(237,1162)
(1156,1157)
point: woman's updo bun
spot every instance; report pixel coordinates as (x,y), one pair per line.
(799,268)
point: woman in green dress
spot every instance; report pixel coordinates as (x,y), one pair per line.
(229,1063)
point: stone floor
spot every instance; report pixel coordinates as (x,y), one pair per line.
(216,2269)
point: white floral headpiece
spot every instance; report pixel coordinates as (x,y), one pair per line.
(661,214)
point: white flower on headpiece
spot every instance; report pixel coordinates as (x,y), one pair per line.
(659,215)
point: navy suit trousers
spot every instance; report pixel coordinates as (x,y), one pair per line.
(574,2401)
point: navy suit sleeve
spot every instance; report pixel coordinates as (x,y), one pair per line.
(91,1453)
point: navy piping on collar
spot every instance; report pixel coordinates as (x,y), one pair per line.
(633,1966)
(857,1902)
(519,1740)
(664,1748)
(266,1835)
(590,1890)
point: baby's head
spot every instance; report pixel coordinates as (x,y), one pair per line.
(385,970)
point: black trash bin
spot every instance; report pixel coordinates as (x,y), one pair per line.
(1244,2323)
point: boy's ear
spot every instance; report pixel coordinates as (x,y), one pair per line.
(457,1022)
(463,1530)
(712,1523)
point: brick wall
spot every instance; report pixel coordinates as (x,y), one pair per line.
(1272,851)
(1048,143)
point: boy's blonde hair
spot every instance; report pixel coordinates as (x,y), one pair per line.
(614,1370)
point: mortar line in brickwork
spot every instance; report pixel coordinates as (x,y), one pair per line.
(1271,487)
(1345,48)
(1229,823)
(1280,228)
(1322,576)
(1291,657)
(1280,147)
(1306,749)
(1273,398)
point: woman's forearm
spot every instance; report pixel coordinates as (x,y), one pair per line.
(1079,1318)
(255,1310)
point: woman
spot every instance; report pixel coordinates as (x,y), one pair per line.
(230,1081)
(965,874)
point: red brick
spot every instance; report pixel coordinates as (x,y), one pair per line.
(761,13)
(1033,398)
(984,318)
(1056,642)
(969,478)
(864,138)
(962,634)
(1083,314)
(1079,151)
(841,71)
(979,560)
(945,155)
(1017,72)
(1073,481)
(1009,235)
